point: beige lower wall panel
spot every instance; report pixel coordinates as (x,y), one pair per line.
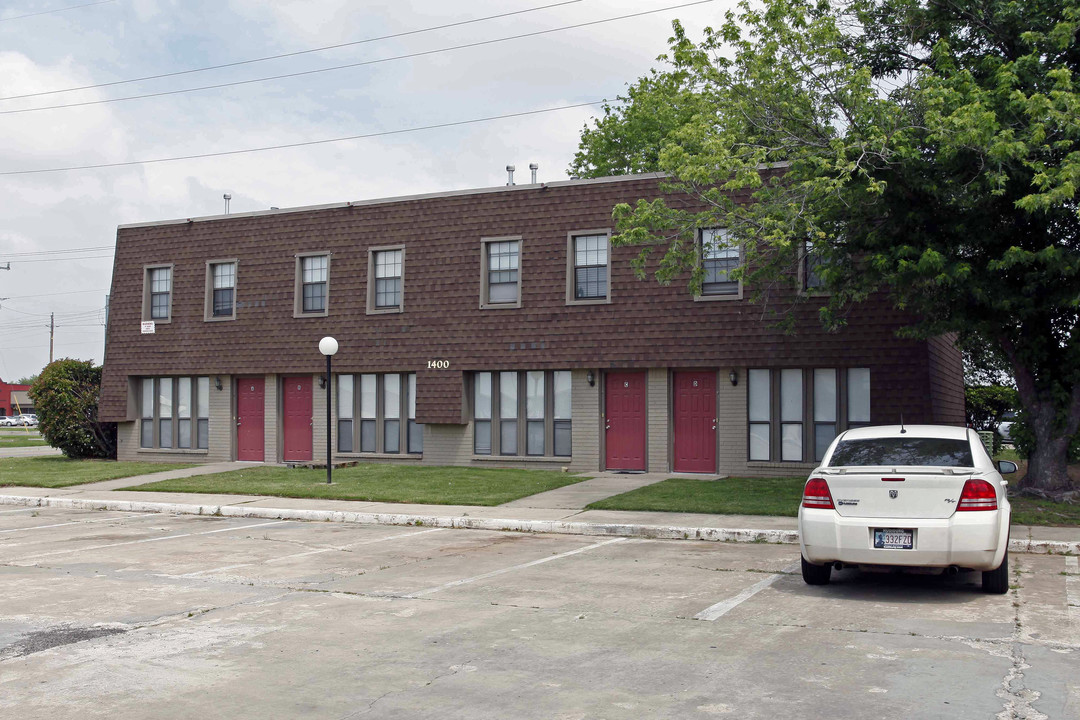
(585,428)
(731,426)
(270,420)
(222,421)
(447,444)
(318,421)
(658,421)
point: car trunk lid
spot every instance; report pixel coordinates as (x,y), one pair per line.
(896,492)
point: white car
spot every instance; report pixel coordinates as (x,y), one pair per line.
(7,421)
(921,496)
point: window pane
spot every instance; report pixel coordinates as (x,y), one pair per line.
(367,396)
(392,436)
(503,292)
(416,437)
(223,302)
(411,402)
(825,395)
(534,437)
(224,275)
(387,292)
(590,282)
(314,297)
(482,437)
(165,433)
(183,433)
(759,441)
(202,409)
(344,436)
(824,433)
(534,397)
(165,395)
(759,395)
(791,396)
(204,434)
(367,436)
(482,392)
(791,442)
(183,398)
(148,398)
(508,437)
(314,269)
(392,395)
(345,397)
(146,434)
(388,264)
(561,380)
(508,393)
(859,395)
(917,452)
(562,438)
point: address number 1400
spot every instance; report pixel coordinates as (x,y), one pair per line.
(438,364)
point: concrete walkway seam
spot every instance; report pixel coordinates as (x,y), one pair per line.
(656,532)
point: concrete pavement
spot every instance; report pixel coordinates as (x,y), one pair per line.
(560,511)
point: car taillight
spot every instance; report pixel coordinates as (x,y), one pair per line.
(977,495)
(816,495)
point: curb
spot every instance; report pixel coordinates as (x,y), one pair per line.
(656,532)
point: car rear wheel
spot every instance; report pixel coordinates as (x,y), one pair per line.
(817,574)
(996,581)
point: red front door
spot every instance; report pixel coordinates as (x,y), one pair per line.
(250,431)
(297,410)
(624,416)
(695,422)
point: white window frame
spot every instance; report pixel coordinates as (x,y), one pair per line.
(298,290)
(371,283)
(148,293)
(710,297)
(571,267)
(485,273)
(208,309)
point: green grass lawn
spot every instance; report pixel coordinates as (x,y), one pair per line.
(378,482)
(21,439)
(781,496)
(730,496)
(55,471)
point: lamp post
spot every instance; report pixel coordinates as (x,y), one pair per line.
(328,346)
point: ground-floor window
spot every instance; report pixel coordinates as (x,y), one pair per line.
(522,413)
(371,409)
(794,413)
(174,413)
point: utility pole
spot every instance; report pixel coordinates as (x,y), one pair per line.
(6,267)
(52,329)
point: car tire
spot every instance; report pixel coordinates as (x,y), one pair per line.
(996,582)
(816,574)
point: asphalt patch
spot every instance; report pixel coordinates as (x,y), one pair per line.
(41,640)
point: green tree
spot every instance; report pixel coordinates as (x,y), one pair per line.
(28,380)
(929,149)
(66,398)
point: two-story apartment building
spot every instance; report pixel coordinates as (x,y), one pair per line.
(489,326)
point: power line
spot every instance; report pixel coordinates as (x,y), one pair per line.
(303,144)
(304,73)
(61,259)
(57,252)
(292,54)
(72,292)
(63,9)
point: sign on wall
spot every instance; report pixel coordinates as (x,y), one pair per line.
(149,328)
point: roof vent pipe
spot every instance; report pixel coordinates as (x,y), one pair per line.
(510,175)
(227,197)
(534,167)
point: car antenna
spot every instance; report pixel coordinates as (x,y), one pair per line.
(903,431)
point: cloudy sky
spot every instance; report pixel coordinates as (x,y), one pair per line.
(57,229)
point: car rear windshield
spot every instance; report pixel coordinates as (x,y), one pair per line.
(937,452)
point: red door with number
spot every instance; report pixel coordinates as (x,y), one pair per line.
(695,422)
(624,421)
(250,409)
(296,445)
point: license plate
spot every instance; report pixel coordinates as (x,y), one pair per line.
(893,539)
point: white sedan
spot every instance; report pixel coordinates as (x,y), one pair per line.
(921,496)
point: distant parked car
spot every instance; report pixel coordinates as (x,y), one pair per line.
(8,421)
(924,496)
(26,420)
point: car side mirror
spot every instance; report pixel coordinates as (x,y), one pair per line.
(1006,467)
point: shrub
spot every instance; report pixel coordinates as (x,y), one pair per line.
(66,398)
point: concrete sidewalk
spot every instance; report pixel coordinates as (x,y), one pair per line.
(557,511)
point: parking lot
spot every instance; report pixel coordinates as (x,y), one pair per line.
(154,616)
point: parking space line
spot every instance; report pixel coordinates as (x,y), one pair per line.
(79,522)
(371,541)
(493,573)
(25,509)
(720,609)
(149,540)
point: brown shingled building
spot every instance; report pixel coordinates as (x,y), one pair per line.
(484,327)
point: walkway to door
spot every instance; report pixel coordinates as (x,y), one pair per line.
(602,485)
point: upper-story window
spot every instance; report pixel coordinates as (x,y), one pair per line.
(157,293)
(590,262)
(718,259)
(221,290)
(810,266)
(312,284)
(501,281)
(386,275)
